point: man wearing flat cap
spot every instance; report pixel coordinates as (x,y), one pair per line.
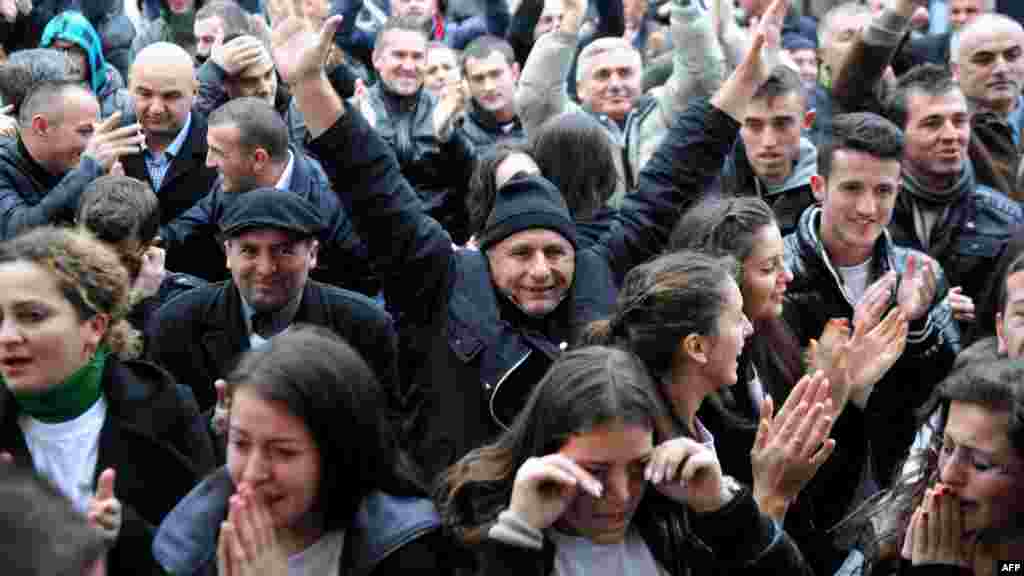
(271,241)
(478,329)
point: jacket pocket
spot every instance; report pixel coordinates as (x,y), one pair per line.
(463,342)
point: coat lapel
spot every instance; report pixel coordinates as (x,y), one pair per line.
(225,336)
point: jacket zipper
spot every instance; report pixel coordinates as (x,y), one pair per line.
(502,381)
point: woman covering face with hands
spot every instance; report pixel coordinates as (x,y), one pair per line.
(580,485)
(112,434)
(314,482)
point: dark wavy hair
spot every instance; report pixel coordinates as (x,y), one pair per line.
(323,382)
(575,154)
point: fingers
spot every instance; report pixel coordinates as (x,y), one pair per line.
(327,32)
(105,485)
(698,462)
(796,396)
(822,455)
(111,121)
(224,564)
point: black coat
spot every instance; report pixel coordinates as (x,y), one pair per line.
(483,130)
(473,357)
(816,295)
(187,180)
(155,440)
(30,196)
(200,335)
(930,49)
(342,256)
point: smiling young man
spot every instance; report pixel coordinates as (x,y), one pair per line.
(941,209)
(838,254)
(271,242)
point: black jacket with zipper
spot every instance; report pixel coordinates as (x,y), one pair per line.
(472,358)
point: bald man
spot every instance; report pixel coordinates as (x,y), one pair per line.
(163,86)
(991,74)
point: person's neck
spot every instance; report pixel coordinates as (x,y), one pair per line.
(684,393)
(272,175)
(931,181)
(1001,108)
(296,539)
(840,254)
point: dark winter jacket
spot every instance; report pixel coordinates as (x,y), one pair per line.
(31,196)
(388,534)
(789,199)
(342,260)
(816,295)
(473,356)
(482,129)
(736,539)
(155,441)
(200,335)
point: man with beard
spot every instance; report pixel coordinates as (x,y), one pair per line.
(163,87)
(941,209)
(249,148)
(403,113)
(270,238)
(241,67)
(59,149)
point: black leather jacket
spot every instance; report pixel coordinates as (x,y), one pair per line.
(816,294)
(482,129)
(437,171)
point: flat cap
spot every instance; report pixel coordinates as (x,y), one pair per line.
(270,208)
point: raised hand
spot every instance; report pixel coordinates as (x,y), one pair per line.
(870,354)
(453,102)
(961,305)
(687,471)
(248,544)
(239,53)
(8,123)
(109,142)
(222,410)
(151,273)
(545,487)
(299,51)
(790,447)
(917,287)
(104,509)
(362,100)
(8,10)
(761,57)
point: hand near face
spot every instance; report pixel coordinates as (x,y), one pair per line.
(109,142)
(934,533)
(917,287)
(687,471)
(451,105)
(545,487)
(961,304)
(248,544)
(238,54)
(104,509)
(152,272)
(791,446)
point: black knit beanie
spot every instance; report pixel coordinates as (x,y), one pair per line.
(525,203)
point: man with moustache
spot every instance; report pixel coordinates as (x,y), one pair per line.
(163,87)
(845,265)
(941,209)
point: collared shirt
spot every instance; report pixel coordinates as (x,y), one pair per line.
(281,320)
(285,181)
(157,166)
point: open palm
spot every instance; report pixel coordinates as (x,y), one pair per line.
(299,51)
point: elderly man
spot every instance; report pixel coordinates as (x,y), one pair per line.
(163,87)
(481,327)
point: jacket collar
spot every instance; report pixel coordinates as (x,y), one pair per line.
(487,121)
(186,540)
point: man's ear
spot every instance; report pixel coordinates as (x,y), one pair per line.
(695,348)
(260,158)
(818,188)
(40,124)
(809,117)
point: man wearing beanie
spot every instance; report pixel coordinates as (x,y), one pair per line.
(271,242)
(478,329)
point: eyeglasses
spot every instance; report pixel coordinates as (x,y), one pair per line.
(976,459)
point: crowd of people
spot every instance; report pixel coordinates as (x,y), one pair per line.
(642,287)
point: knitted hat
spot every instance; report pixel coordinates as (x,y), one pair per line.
(526,203)
(270,208)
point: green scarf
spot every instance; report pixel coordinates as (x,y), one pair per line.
(72,398)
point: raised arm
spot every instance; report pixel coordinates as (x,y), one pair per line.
(541,93)
(409,251)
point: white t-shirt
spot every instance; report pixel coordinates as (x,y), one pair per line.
(66,453)
(323,558)
(578,556)
(855,279)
